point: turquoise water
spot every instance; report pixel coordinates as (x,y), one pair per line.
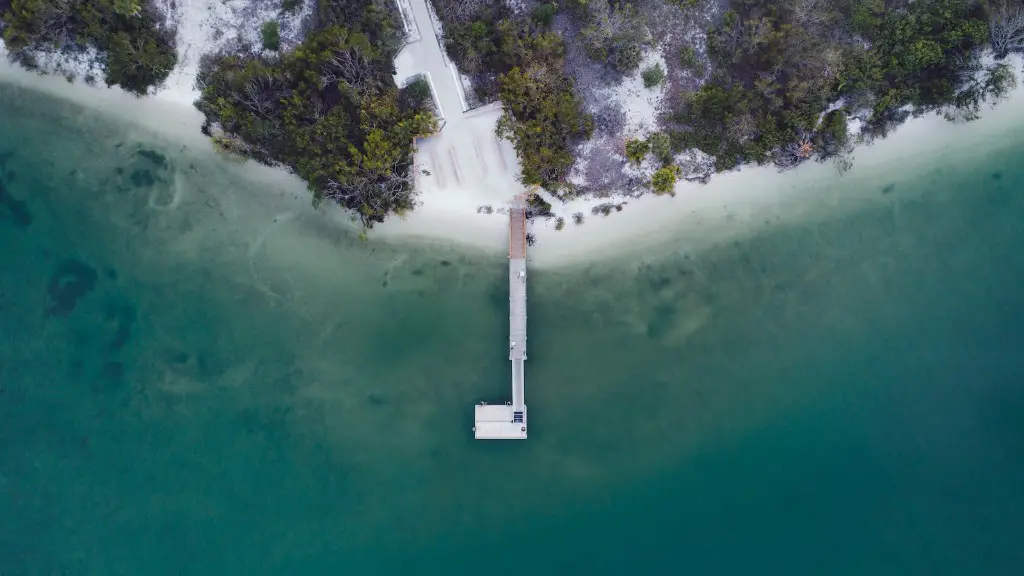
(200,378)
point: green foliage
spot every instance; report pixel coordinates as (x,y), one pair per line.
(664,180)
(330,111)
(832,136)
(539,205)
(290,5)
(127,7)
(990,85)
(636,150)
(661,146)
(615,35)
(271,35)
(137,62)
(917,55)
(626,57)
(777,67)
(520,61)
(689,61)
(542,117)
(138,53)
(544,14)
(417,95)
(653,76)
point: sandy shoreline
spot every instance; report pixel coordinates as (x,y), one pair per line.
(732,205)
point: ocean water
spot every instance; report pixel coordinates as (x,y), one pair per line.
(199,377)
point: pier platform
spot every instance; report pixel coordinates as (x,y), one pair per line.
(508,421)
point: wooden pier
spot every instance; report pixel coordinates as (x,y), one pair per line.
(508,421)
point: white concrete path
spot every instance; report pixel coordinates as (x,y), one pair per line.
(465,163)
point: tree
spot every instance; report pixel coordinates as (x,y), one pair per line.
(615,35)
(542,117)
(330,111)
(136,63)
(664,180)
(661,146)
(1006,29)
(271,35)
(127,7)
(636,150)
(122,36)
(544,14)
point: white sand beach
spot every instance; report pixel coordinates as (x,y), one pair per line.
(466,175)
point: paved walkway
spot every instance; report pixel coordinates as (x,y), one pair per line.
(465,156)
(425,55)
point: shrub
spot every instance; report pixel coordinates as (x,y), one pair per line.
(418,95)
(136,63)
(626,58)
(290,5)
(615,35)
(545,13)
(134,50)
(689,60)
(661,146)
(542,117)
(127,7)
(271,34)
(664,180)
(653,76)
(636,150)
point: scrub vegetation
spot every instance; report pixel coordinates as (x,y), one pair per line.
(786,76)
(126,37)
(329,109)
(764,81)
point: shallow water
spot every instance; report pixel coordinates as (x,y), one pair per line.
(198,377)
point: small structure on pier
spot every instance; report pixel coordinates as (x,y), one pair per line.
(508,421)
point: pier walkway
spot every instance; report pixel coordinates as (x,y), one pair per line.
(508,421)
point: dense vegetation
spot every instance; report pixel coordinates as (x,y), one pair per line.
(329,109)
(520,61)
(613,32)
(134,51)
(778,66)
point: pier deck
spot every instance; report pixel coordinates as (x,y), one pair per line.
(508,421)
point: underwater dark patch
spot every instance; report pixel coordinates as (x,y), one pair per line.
(16,210)
(67,285)
(888,189)
(153,156)
(142,179)
(997,175)
(661,322)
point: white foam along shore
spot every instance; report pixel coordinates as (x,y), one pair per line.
(732,205)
